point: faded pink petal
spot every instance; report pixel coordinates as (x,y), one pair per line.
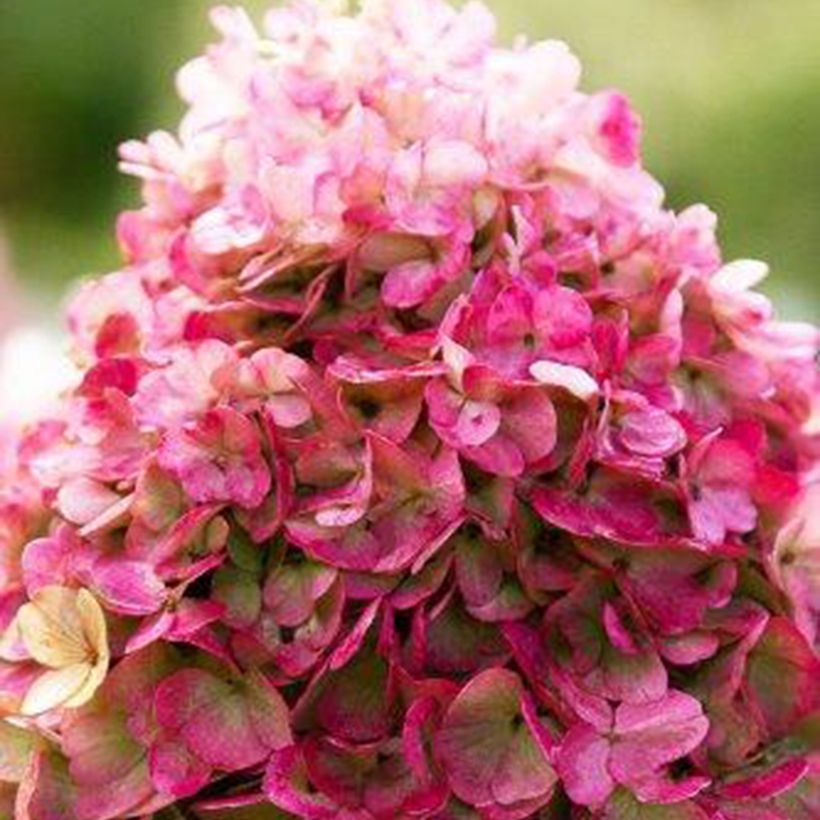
(224,727)
(651,735)
(219,459)
(583,766)
(486,748)
(127,587)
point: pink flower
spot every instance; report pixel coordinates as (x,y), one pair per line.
(184,387)
(280,383)
(388,401)
(503,426)
(516,326)
(96,438)
(417,280)
(721,473)
(634,752)
(218,458)
(405,507)
(106,741)
(601,642)
(108,317)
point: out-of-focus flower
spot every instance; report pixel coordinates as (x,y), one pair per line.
(34,371)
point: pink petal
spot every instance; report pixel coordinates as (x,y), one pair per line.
(582,765)
(216,721)
(175,771)
(477,422)
(653,734)
(486,748)
(651,432)
(128,587)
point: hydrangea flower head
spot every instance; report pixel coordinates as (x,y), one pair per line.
(423,464)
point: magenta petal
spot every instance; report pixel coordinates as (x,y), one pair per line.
(409,284)
(652,432)
(762,785)
(677,587)
(499,456)
(613,508)
(339,771)
(477,423)
(286,786)
(652,734)
(413,741)
(150,630)
(530,421)
(619,636)
(290,592)
(351,644)
(691,648)
(633,678)
(218,460)
(425,583)
(523,773)
(232,807)
(267,711)
(191,615)
(663,790)
(175,771)
(509,604)
(582,765)
(47,561)
(128,587)
(353,703)
(46,792)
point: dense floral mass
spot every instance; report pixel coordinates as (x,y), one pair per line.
(423,464)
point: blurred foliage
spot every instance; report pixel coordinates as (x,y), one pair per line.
(729,91)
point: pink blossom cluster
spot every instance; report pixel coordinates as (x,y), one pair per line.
(423,465)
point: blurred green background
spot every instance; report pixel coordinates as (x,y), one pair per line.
(729,91)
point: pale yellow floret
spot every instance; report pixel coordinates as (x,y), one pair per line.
(65,630)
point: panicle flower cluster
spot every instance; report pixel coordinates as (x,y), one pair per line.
(423,464)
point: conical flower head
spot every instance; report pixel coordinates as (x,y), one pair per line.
(422,462)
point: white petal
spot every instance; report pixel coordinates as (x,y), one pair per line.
(54,688)
(574,379)
(740,276)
